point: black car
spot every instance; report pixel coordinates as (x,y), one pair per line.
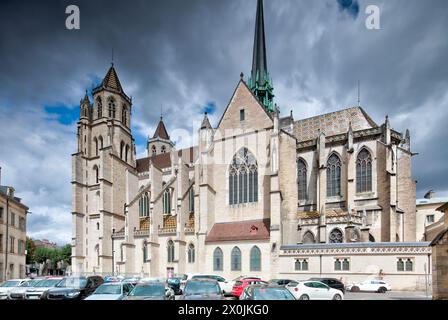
(266,292)
(73,288)
(202,289)
(331,282)
(174,284)
(280,282)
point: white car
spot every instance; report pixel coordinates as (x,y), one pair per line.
(34,293)
(313,290)
(18,293)
(8,285)
(370,285)
(111,291)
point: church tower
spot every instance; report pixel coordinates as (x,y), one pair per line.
(260,82)
(160,141)
(106,151)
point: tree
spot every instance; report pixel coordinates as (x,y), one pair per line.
(30,250)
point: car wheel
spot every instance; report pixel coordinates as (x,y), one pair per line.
(382,290)
(337,297)
(355,289)
(304,297)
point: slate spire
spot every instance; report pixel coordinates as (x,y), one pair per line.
(161,131)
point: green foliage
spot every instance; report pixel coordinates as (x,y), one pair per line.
(55,255)
(30,250)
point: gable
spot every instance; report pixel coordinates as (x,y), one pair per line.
(255,115)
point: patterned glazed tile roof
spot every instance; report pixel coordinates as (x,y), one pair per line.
(333,123)
(111,80)
(240,230)
(169,222)
(144,224)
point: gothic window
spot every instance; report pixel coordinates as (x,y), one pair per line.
(100,140)
(409,265)
(301,265)
(112,108)
(255,259)
(308,237)
(364,171)
(336,236)
(167,201)
(121,149)
(191,199)
(99,106)
(144,206)
(333,176)
(163,149)
(126,153)
(400,265)
(236,259)
(301,179)
(170,249)
(124,115)
(95,141)
(191,253)
(96,171)
(242,115)
(217,260)
(243,178)
(153,150)
(342,264)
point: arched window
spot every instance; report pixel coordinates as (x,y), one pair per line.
(333,176)
(126,153)
(409,265)
(243,178)
(144,206)
(236,259)
(308,237)
(153,150)
(100,140)
(124,115)
(301,179)
(95,141)
(371,238)
(99,107)
(112,108)
(163,149)
(170,249)
(97,174)
(336,236)
(121,149)
(191,199)
(167,201)
(364,171)
(400,265)
(191,253)
(217,260)
(255,259)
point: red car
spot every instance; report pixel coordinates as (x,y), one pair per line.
(239,285)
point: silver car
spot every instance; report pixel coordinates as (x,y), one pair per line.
(18,293)
(35,293)
(111,291)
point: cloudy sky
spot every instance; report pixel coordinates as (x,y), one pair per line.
(186,57)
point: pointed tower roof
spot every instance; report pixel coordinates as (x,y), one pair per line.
(86,99)
(161,131)
(205,122)
(111,80)
(259,64)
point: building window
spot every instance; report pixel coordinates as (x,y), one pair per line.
(191,200)
(301,265)
(364,171)
(342,264)
(124,115)
(170,249)
(11,244)
(243,178)
(1,214)
(308,237)
(99,106)
(191,253)
(167,201)
(121,150)
(1,246)
(12,222)
(255,259)
(336,236)
(95,141)
(22,224)
(242,115)
(301,179)
(163,149)
(430,218)
(333,176)
(100,139)
(126,153)
(112,108)
(236,259)
(153,150)
(144,206)
(217,260)
(97,174)
(405,264)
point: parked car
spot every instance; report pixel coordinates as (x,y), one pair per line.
(202,289)
(8,285)
(113,278)
(331,282)
(73,288)
(266,292)
(151,291)
(36,292)
(239,286)
(313,290)
(225,285)
(18,293)
(174,283)
(111,291)
(280,282)
(134,280)
(370,286)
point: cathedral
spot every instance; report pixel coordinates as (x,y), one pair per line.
(255,186)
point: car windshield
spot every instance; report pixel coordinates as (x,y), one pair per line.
(10,283)
(272,294)
(148,291)
(108,289)
(48,283)
(202,287)
(76,283)
(30,283)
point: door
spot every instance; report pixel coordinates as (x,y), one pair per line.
(324,291)
(311,290)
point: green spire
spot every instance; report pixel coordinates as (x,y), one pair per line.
(260,82)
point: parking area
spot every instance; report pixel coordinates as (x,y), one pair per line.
(391,295)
